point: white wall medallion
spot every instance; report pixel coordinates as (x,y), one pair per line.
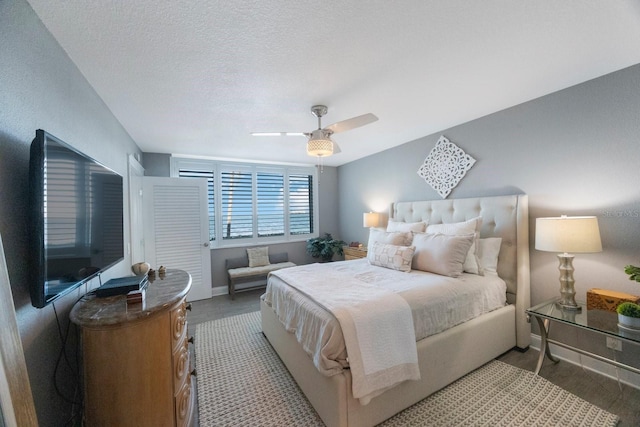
(445,166)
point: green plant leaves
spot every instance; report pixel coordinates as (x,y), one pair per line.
(325,247)
(633,272)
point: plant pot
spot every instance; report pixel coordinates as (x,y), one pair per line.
(629,322)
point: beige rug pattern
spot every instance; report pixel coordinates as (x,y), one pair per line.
(242,382)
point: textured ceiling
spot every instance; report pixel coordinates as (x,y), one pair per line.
(196,77)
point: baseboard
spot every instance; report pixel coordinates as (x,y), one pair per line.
(219,290)
(626,377)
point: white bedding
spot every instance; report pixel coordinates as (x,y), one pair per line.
(376,323)
(437,303)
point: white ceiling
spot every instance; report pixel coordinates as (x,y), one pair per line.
(196,77)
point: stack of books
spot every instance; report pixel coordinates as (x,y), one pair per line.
(136,296)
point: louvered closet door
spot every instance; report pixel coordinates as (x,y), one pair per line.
(176,229)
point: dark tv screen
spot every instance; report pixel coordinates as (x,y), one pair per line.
(76,218)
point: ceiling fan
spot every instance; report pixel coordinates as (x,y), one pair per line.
(320,143)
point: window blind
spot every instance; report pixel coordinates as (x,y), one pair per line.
(237,204)
(270,204)
(300,204)
(211,199)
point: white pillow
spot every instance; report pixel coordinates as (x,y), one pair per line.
(416,227)
(489,251)
(258,257)
(472,262)
(397,238)
(441,253)
(391,256)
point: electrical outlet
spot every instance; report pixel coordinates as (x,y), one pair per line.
(614,343)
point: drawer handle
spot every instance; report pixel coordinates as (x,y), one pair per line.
(191,339)
(188,306)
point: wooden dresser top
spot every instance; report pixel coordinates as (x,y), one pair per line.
(163,291)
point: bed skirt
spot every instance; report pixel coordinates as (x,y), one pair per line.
(443,358)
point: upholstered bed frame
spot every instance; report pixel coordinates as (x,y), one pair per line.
(444,357)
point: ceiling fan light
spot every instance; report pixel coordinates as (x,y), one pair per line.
(319,144)
(320,147)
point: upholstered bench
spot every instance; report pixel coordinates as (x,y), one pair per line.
(238,271)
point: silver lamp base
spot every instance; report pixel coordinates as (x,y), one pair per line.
(567,292)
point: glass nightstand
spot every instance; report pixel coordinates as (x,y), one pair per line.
(602,322)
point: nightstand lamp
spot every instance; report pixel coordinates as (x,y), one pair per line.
(370,219)
(577,234)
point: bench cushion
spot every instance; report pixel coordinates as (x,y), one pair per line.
(236,273)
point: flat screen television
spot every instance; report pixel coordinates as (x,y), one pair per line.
(76,218)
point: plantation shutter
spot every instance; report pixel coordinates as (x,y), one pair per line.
(270,204)
(237,204)
(300,204)
(175,229)
(211,205)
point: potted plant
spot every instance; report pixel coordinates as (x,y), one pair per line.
(629,315)
(324,247)
(629,312)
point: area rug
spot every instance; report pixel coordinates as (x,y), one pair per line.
(242,382)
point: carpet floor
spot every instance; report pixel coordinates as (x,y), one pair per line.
(242,382)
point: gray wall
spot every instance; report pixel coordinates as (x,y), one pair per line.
(41,88)
(574,152)
(158,164)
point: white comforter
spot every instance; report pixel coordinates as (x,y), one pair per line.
(436,303)
(376,324)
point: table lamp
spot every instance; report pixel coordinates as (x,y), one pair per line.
(370,219)
(577,234)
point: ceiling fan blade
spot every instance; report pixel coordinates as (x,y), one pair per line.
(277,134)
(352,123)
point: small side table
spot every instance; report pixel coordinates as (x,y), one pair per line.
(602,322)
(351,253)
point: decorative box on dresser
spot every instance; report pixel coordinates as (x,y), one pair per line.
(136,366)
(351,252)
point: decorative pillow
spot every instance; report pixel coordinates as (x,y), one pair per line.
(258,257)
(489,251)
(391,238)
(472,262)
(391,256)
(441,253)
(416,227)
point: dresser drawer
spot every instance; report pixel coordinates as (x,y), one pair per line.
(184,401)
(181,366)
(179,325)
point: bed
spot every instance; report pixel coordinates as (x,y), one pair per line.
(442,357)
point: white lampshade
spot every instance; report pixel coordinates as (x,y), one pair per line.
(370,219)
(319,144)
(576,234)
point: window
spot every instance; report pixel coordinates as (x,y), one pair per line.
(300,204)
(270,197)
(237,204)
(208,175)
(254,204)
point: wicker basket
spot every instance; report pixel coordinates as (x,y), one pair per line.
(604,299)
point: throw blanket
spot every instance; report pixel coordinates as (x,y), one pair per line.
(376,323)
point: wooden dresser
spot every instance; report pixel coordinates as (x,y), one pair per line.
(136,365)
(354,253)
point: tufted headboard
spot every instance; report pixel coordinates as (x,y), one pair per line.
(502,216)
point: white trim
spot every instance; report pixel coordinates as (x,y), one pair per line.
(626,377)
